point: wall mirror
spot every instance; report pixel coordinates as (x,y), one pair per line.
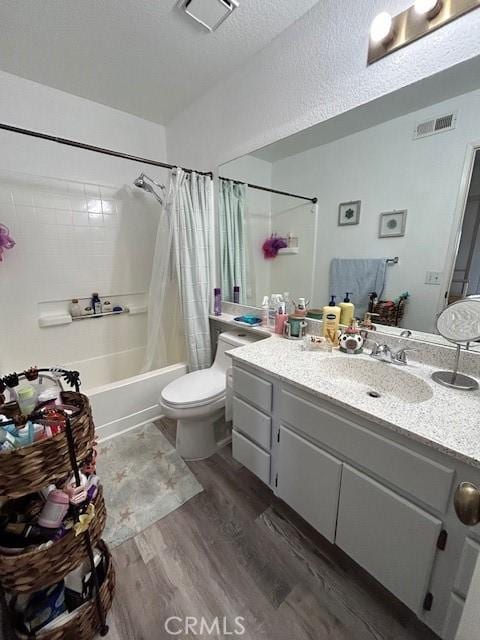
(398,188)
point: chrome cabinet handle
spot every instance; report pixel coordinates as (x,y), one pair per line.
(467,503)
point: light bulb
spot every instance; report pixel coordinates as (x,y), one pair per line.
(428,8)
(381,27)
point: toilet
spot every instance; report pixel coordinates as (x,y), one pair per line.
(197,400)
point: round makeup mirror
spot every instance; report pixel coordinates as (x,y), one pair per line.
(459,323)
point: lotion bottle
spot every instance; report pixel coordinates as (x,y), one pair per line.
(347,310)
(331,321)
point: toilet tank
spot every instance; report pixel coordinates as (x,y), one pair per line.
(230,340)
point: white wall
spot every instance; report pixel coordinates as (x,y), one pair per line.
(294,272)
(314,70)
(259,204)
(79,225)
(386,169)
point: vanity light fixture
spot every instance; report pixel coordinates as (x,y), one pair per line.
(381,29)
(428,8)
(387,33)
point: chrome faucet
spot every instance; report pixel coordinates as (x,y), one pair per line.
(384,353)
(381,352)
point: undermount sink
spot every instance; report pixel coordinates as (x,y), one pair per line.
(376,379)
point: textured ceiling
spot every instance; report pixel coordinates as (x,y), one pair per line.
(437,88)
(144,57)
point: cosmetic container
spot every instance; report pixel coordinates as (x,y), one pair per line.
(217,301)
(55,510)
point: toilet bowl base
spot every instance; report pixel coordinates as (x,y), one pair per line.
(196,437)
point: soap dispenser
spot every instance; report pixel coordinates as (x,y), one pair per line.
(331,321)
(351,340)
(347,310)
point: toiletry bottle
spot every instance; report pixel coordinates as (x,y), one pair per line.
(55,509)
(272,310)
(75,308)
(27,399)
(373,299)
(265,309)
(347,310)
(280,319)
(288,302)
(96,303)
(331,321)
(236,294)
(217,301)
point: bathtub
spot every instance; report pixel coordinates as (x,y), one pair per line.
(121,401)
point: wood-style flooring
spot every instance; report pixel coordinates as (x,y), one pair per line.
(235,550)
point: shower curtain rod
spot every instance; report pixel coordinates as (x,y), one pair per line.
(126,156)
(280,193)
(91,147)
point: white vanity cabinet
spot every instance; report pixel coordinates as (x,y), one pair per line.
(389,536)
(385,499)
(309,481)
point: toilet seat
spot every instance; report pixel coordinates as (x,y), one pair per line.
(195,389)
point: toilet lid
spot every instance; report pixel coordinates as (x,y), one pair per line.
(196,388)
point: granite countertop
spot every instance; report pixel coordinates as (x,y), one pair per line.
(447,421)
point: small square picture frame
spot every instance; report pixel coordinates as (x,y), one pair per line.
(349,213)
(393,224)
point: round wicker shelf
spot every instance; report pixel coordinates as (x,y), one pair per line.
(85,624)
(42,567)
(31,468)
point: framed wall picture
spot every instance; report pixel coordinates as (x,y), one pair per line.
(392,224)
(349,213)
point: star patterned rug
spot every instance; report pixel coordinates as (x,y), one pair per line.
(144,479)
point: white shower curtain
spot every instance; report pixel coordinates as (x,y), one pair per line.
(183,272)
(232,206)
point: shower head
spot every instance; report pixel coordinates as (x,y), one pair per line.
(141,183)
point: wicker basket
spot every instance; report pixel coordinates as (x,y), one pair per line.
(86,623)
(39,568)
(31,468)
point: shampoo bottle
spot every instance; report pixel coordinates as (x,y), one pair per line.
(331,321)
(347,310)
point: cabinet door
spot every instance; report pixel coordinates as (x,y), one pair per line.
(309,481)
(391,538)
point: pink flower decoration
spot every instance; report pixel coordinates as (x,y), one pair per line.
(271,246)
(6,240)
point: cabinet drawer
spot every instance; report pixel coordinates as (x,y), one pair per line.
(309,481)
(251,456)
(253,389)
(423,478)
(252,422)
(388,536)
(466,567)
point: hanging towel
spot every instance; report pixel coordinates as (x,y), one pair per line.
(359,276)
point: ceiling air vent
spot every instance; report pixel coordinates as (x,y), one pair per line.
(436,125)
(209,13)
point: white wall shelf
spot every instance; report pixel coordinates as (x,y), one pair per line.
(288,251)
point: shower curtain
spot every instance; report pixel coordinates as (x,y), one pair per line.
(183,272)
(232,208)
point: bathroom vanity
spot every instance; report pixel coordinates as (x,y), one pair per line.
(374,475)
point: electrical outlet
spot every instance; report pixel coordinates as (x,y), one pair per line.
(433,277)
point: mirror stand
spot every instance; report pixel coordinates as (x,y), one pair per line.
(453,378)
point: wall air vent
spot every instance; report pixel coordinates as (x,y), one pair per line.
(436,125)
(209,13)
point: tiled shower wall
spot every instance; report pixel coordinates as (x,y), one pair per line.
(72,239)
